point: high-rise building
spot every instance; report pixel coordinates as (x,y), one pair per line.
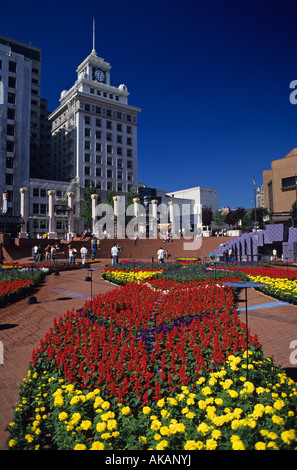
(95,131)
(40,131)
(15,105)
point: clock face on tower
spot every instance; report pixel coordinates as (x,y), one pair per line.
(99,75)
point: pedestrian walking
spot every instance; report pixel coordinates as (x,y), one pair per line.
(161,254)
(83,254)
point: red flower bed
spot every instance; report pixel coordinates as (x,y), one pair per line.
(263,271)
(136,345)
(14,286)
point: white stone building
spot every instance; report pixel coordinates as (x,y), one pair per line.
(94,131)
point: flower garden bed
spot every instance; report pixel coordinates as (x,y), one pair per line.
(157,363)
(19,280)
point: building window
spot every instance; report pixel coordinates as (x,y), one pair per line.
(109,173)
(289,184)
(98,159)
(10,113)
(87,170)
(35,192)
(109,149)
(11,98)
(87,157)
(11,82)
(12,66)
(98,172)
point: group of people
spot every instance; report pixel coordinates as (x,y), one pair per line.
(48,254)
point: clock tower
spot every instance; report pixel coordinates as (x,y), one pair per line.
(94,68)
(94,132)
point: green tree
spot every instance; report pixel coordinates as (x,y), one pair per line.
(218,218)
(294,214)
(207,216)
(86,210)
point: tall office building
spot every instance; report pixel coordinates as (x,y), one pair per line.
(15,105)
(95,131)
(40,131)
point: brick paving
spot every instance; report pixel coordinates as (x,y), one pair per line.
(22,325)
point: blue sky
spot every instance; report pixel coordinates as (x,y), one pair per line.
(212,79)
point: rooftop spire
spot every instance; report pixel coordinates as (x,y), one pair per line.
(93,50)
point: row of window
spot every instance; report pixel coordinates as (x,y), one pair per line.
(109,149)
(109,173)
(88,120)
(108,112)
(109,161)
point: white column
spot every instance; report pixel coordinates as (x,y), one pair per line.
(173,219)
(71,233)
(94,198)
(24,212)
(154,222)
(51,212)
(136,201)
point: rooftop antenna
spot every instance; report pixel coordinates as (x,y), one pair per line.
(93,51)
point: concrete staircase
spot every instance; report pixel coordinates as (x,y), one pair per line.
(146,249)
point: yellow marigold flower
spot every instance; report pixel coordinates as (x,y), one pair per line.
(97,446)
(142,439)
(203,428)
(75,418)
(12,442)
(106,435)
(206,391)
(111,424)
(126,410)
(155,426)
(279,404)
(157,437)
(200,381)
(211,444)
(237,444)
(105,405)
(98,401)
(277,420)
(260,446)
(164,430)
(202,405)
(29,438)
(227,384)
(146,410)
(190,415)
(232,393)
(190,401)
(161,445)
(86,424)
(218,401)
(80,447)
(165,414)
(161,403)
(63,416)
(172,401)
(185,411)
(100,427)
(216,434)
(288,436)
(190,445)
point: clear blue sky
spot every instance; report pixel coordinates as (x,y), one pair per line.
(211,77)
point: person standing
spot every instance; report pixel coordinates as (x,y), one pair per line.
(53,253)
(71,253)
(114,255)
(161,254)
(83,253)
